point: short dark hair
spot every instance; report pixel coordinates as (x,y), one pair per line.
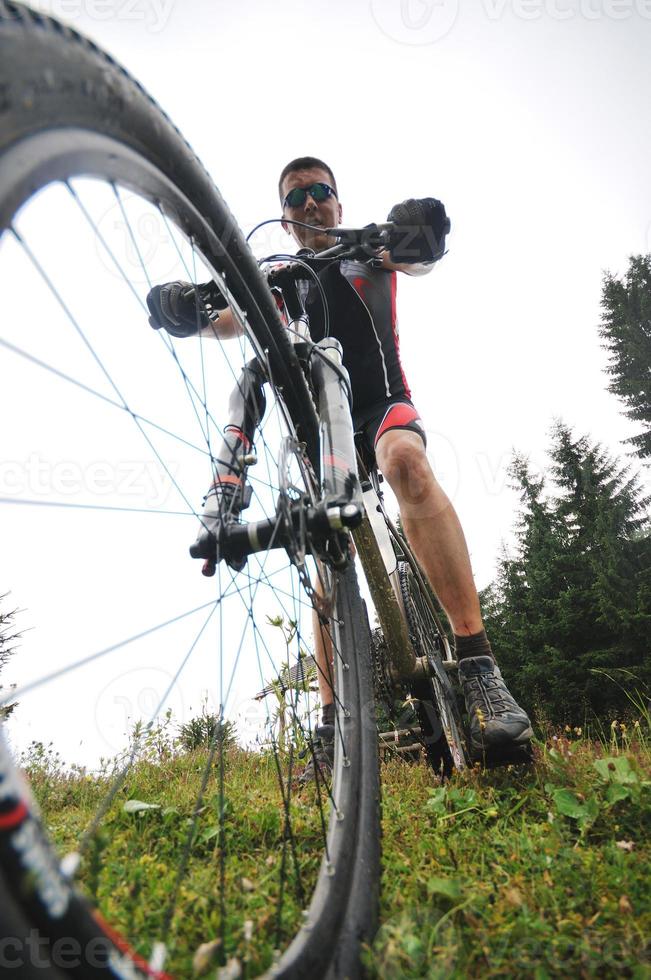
(305,163)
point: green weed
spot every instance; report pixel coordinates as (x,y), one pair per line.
(533,872)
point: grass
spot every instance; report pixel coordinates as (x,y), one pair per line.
(132,871)
(535,873)
(542,872)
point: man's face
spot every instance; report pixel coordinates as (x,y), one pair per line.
(323,214)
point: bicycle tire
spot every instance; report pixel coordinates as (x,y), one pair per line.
(344,907)
(436,703)
(69,110)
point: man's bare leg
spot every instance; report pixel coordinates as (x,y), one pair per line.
(497,723)
(324,659)
(322,758)
(432,527)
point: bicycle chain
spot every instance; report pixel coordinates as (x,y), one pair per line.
(382,685)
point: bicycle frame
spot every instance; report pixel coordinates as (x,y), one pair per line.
(376,539)
(350,498)
(324,520)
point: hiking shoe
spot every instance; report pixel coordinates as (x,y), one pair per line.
(498,725)
(322,755)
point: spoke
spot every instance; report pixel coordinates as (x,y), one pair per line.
(216,742)
(261,576)
(104,507)
(204,401)
(285,799)
(131,234)
(69,314)
(91,658)
(89,346)
(166,339)
(297,721)
(109,251)
(222,849)
(118,781)
(98,394)
(241,596)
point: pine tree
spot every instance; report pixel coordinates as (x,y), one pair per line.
(575,597)
(626,332)
(522,609)
(606,517)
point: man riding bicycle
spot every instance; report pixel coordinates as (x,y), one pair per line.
(362,315)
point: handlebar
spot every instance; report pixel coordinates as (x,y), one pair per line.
(352,243)
(371,236)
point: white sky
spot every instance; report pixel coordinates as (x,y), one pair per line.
(530,120)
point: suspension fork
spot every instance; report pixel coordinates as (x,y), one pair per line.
(340,484)
(343,495)
(342,492)
(378,560)
(222,535)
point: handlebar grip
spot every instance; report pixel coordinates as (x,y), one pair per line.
(372,236)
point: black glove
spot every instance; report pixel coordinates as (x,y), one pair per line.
(182,308)
(421,229)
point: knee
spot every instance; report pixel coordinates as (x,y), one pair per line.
(403,461)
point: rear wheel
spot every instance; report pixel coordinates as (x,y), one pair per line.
(113,441)
(435,698)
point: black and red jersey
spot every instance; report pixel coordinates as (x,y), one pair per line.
(362,316)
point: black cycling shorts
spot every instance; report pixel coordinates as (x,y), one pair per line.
(373,422)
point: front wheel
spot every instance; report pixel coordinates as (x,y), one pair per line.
(168,710)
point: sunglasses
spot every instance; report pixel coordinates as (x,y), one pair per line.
(318,192)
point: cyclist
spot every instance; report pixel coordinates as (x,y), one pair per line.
(362,306)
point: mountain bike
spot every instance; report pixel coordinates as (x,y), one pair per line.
(85,151)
